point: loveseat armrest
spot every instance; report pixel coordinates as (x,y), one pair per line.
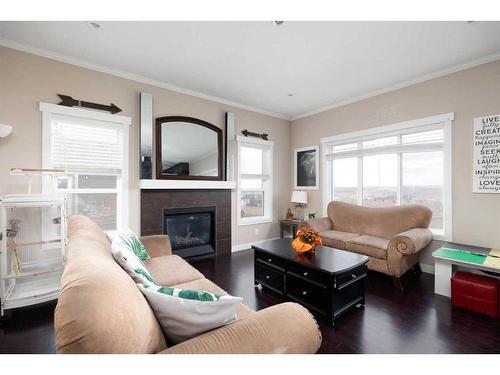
(410,241)
(157,245)
(321,224)
(280,329)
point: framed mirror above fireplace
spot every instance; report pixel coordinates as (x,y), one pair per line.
(188,148)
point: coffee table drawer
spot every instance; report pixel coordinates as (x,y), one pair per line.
(308,293)
(350,276)
(309,274)
(269,259)
(270,277)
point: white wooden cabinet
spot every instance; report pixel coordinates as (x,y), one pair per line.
(32,249)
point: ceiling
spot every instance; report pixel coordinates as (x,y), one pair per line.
(288,71)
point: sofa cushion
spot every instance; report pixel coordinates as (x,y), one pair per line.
(375,247)
(184,314)
(242,310)
(170,270)
(337,239)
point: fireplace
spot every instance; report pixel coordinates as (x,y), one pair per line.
(191,230)
(154,202)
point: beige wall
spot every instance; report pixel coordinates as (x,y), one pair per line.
(26,80)
(470,93)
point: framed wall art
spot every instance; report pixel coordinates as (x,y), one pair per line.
(306,168)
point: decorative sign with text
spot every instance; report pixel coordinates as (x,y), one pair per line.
(486,166)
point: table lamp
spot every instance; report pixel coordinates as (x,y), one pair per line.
(5,130)
(300,199)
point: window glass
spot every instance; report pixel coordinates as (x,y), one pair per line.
(254,188)
(99,207)
(423,182)
(91,152)
(345,180)
(380,180)
(252,203)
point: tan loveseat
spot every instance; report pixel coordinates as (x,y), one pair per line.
(391,236)
(100,309)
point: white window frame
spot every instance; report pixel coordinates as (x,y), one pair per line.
(122,190)
(443,121)
(268,198)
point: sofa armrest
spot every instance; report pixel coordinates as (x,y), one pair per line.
(280,329)
(157,245)
(320,224)
(411,241)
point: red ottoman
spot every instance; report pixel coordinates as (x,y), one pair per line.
(475,292)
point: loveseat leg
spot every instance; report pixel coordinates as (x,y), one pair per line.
(417,268)
(398,284)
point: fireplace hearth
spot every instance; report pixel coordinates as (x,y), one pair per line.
(191,230)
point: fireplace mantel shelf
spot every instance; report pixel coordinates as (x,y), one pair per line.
(186,184)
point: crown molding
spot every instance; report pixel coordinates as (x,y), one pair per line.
(428,77)
(164,85)
(131,76)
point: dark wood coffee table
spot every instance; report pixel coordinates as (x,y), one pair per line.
(329,282)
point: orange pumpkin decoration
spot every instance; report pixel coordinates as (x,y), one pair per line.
(306,240)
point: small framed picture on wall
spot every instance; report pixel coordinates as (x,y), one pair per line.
(306,168)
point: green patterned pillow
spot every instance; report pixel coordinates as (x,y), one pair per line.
(195,295)
(131,264)
(186,313)
(130,240)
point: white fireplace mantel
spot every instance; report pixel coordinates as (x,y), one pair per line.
(186,184)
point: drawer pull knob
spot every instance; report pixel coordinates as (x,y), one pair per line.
(267,277)
(270,260)
(304,293)
(353,276)
(305,274)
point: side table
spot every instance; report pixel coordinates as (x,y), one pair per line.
(293,225)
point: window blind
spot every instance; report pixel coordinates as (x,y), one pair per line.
(404,141)
(85,147)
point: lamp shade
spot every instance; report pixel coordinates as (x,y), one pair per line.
(299,196)
(5,130)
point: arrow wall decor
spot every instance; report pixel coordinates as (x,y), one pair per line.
(246,133)
(68,101)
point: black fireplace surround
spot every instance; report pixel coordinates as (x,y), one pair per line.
(191,230)
(154,202)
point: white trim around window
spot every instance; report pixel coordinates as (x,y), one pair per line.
(50,112)
(266,176)
(443,122)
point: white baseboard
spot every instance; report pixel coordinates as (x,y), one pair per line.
(246,246)
(427,268)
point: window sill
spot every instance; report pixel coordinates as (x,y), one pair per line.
(439,235)
(254,221)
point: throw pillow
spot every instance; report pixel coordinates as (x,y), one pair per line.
(132,265)
(130,240)
(184,314)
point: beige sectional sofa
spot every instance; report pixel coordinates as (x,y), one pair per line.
(391,236)
(101,310)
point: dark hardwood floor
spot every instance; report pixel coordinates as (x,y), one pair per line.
(415,321)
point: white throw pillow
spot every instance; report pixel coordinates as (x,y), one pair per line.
(184,314)
(132,265)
